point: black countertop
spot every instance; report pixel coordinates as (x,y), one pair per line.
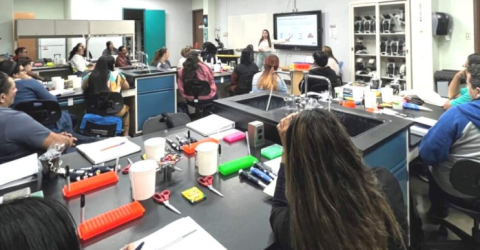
(365,142)
(240,220)
(60,67)
(132,73)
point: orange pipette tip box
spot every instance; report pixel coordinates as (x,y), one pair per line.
(90,184)
(191,149)
(110,220)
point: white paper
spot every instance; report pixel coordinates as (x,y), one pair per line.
(426,121)
(274,164)
(18,169)
(93,151)
(333,31)
(270,189)
(62,92)
(181,234)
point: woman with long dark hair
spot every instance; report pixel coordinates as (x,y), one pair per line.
(104,79)
(160,59)
(325,197)
(332,61)
(77,60)
(37,224)
(193,69)
(265,46)
(268,79)
(246,67)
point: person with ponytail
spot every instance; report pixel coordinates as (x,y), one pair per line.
(326,198)
(193,69)
(268,79)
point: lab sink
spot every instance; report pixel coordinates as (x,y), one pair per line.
(141,72)
(261,102)
(127,68)
(356,124)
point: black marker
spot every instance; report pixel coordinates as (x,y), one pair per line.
(67,175)
(262,167)
(140,246)
(173,144)
(82,208)
(219,153)
(253,179)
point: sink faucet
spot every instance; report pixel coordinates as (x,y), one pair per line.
(146,64)
(307,76)
(278,74)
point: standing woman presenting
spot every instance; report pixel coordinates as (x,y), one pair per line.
(265,47)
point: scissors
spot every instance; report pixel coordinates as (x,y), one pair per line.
(207,182)
(127,168)
(163,197)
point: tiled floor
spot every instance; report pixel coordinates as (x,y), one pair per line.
(420,194)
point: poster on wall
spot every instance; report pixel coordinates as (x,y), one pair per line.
(205,21)
(205,27)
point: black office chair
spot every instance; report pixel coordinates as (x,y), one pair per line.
(165,121)
(465,178)
(106,105)
(46,112)
(196,89)
(244,85)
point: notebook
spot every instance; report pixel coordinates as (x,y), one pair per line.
(108,149)
(181,234)
(19,171)
(210,125)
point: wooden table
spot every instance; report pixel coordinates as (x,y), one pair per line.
(297,78)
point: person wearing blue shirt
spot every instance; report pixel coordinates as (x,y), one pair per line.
(455,137)
(268,79)
(456,94)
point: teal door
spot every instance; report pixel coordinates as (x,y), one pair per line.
(154,32)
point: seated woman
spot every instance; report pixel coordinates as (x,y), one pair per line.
(161,59)
(325,197)
(184,52)
(321,69)
(26,62)
(37,224)
(268,79)
(194,69)
(332,61)
(80,66)
(104,79)
(246,67)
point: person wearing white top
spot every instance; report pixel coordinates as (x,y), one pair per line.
(265,47)
(78,62)
(332,61)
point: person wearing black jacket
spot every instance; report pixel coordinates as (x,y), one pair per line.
(246,67)
(320,69)
(326,198)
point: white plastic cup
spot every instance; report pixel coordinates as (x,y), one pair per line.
(155,148)
(387,95)
(206,158)
(59,84)
(217,68)
(77,83)
(71,77)
(370,99)
(56,78)
(142,177)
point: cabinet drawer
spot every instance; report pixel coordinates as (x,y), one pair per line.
(155,83)
(153,104)
(389,154)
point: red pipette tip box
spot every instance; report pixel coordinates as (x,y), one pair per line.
(90,184)
(191,149)
(110,220)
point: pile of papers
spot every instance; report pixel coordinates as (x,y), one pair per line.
(108,149)
(19,171)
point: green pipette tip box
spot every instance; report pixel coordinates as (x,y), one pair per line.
(232,167)
(272,152)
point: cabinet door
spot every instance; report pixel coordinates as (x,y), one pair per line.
(153,104)
(35,27)
(155,36)
(71,27)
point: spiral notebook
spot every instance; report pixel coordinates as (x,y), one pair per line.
(108,149)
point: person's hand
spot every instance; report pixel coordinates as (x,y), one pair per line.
(260,49)
(462,74)
(282,128)
(129,247)
(71,140)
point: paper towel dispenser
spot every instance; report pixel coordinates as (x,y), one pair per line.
(441,24)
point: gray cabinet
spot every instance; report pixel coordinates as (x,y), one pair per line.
(71,27)
(112,27)
(35,27)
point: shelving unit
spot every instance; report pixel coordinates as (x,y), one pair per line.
(379,42)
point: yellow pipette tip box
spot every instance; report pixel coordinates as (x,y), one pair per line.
(194,195)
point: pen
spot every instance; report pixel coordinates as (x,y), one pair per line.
(117,167)
(140,246)
(248,143)
(253,179)
(67,174)
(219,153)
(113,146)
(82,208)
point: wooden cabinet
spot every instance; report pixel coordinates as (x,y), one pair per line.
(112,27)
(35,27)
(71,27)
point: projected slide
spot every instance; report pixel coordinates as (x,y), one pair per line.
(299,29)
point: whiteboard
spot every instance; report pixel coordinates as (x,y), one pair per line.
(247,29)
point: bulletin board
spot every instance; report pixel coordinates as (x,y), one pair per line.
(247,29)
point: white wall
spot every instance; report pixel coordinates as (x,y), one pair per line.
(43,9)
(197,4)
(210,9)
(178,20)
(335,12)
(6,26)
(453,53)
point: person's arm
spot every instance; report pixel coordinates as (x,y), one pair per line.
(41,92)
(85,82)
(119,62)
(435,146)
(279,216)
(123,82)
(213,86)
(463,98)
(79,63)
(54,138)
(180,83)
(454,87)
(255,83)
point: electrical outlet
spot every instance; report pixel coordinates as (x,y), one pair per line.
(225,34)
(469,36)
